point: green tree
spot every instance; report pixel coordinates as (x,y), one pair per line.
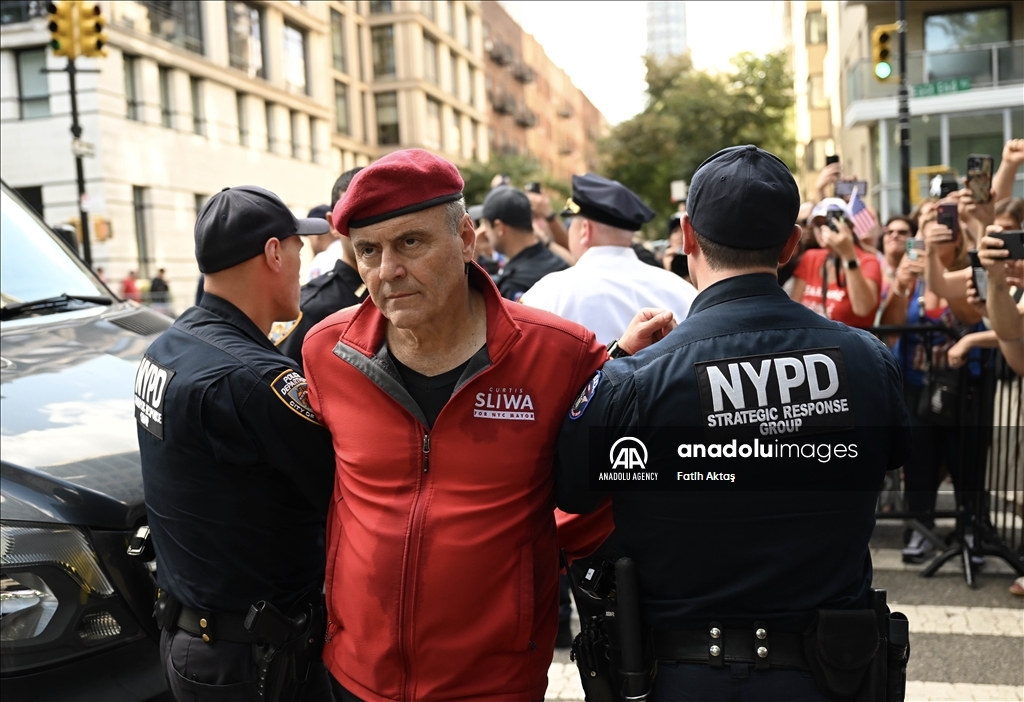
(520,170)
(690,115)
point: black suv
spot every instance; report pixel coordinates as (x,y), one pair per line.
(75,608)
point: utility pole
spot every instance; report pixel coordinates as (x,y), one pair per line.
(904,109)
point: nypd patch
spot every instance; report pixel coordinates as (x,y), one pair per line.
(151,381)
(291,389)
(579,406)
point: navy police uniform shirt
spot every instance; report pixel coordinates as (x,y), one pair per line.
(525,269)
(321,297)
(236,469)
(747,363)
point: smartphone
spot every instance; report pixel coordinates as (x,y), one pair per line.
(949,217)
(979,177)
(915,249)
(845,188)
(833,216)
(979,275)
(829,160)
(532,187)
(1014,241)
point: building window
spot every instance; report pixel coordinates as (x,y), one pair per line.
(816,91)
(198,200)
(140,206)
(449,17)
(33,87)
(338,40)
(245,39)
(198,114)
(295,60)
(133,104)
(815,28)
(165,97)
(341,124)
(365,115)
(295,117)
(315,153)
(360,71)
(430,60)
(428,10)
(387,118)
(473,129)
(380,7)
(472,86)
(957,30)
(455,134)
(467,35)
(432,131)
(453,69)
(271,127)
(814,155)
(241,104)
(33,195)
(383,41)
(176,21)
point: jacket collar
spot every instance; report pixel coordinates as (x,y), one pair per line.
(739,286)
(367,331)
(235,317)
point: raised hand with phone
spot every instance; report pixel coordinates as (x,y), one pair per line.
(1005,316)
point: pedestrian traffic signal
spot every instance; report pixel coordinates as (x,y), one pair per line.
(92,25)
(881,49)
(62,28)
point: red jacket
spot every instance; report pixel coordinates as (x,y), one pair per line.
(442,552)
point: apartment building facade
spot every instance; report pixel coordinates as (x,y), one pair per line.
(533,107)
(965,67)
(197,96)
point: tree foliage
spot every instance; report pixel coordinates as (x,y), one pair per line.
(691,114)
(520,170)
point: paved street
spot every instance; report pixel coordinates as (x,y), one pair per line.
(966,644)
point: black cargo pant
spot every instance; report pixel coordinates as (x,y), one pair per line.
(224,671)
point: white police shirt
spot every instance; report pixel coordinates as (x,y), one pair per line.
(606,288)
(324,261)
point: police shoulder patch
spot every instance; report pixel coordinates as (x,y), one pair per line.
(291,389)
(579,406)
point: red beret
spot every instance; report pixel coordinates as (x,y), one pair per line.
(398,184)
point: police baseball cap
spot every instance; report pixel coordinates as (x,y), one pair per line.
(319,212)
(511,206)
(236,223)
(744,197)
(476,213)
(608,202)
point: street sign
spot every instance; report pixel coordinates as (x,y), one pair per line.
(678,190)
(942,87)
(83,149)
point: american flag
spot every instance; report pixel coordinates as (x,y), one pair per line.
(863,220)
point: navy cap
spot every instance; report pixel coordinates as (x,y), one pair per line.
(511,206)
(236,223)
(744,197)
(476,212)
(606,201)
(320,212)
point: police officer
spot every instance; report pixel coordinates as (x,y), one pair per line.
(236,469)
(609,283)
(739,573)
(508,222)
(334,290)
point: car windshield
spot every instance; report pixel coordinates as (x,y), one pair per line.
(33,265)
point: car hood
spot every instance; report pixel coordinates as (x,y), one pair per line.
(69,450)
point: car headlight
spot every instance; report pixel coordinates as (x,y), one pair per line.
(55,600)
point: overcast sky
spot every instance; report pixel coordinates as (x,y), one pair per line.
(600,44)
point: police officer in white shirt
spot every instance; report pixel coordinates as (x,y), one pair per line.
(608,284)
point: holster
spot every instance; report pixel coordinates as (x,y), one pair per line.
(286,645)
(166,609)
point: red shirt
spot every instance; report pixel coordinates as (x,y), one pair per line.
(838,302)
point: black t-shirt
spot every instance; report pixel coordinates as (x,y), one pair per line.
(431,393)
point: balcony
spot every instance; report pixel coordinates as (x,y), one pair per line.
(500,52)
(525,117)
(522,72)
(176,21)
(985,66)
(15,11)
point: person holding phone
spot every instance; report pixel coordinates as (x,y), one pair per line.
(841,280)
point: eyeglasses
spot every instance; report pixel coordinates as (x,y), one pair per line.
(898,232)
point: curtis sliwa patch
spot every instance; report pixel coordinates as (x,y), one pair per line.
(291,389)
(151,381)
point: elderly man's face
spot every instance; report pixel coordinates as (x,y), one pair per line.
(414,265)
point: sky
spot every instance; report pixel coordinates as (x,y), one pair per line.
(600,44)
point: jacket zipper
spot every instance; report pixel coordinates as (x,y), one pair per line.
(411,569)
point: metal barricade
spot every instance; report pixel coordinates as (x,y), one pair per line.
(967,420)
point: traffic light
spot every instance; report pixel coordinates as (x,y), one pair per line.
(92,26)
(882,38)
(62,27)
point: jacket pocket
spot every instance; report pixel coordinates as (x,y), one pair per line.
(524,628)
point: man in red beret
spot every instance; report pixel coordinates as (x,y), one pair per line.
(444,402)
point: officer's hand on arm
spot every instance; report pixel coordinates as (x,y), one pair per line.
(648,326)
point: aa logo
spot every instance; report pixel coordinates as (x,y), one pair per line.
(628,453)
